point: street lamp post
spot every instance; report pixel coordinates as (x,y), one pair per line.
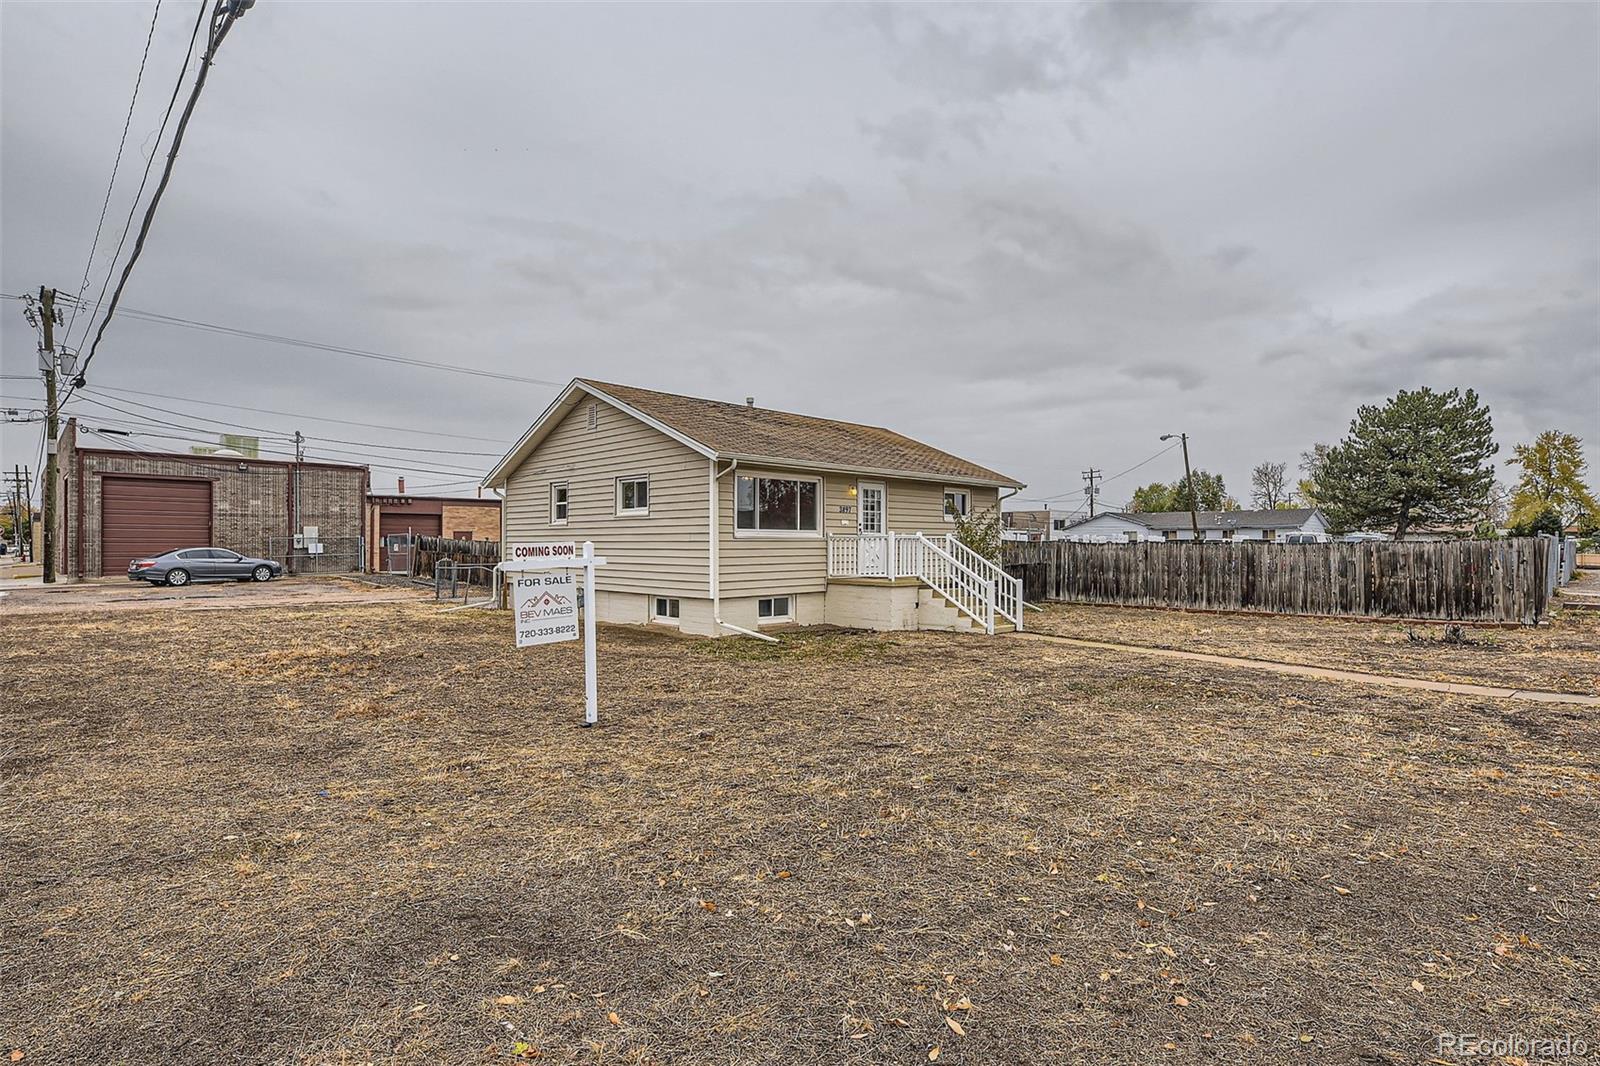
(1188,478)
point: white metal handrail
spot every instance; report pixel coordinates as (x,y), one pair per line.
(1008,589)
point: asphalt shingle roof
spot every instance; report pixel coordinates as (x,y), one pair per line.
(735,429)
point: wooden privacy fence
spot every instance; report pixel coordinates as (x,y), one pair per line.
(1467,581)
(431,550)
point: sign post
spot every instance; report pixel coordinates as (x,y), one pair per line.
(544,603)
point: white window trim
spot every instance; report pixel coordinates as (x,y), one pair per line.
(666,619)
(554,521)
(779,534)
(948,489)
(775,619)
(630,512)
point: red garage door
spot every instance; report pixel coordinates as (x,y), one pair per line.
(418,525)
(148,516)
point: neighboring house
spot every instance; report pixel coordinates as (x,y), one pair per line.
(119,505)
(720,517)
(402,515)
(1130,526)
(1036,525)
(1025,526)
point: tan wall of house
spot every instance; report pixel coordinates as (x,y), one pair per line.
(763,565)
(666,552)
(482,520)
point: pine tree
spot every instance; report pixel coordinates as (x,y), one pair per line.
(1420,459)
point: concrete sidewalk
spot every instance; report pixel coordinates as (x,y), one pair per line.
(1325,673)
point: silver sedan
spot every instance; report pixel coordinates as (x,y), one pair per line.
(183,565)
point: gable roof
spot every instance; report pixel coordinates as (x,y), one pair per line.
(1162,521)
(722,430)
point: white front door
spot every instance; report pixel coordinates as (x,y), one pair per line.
(871,507)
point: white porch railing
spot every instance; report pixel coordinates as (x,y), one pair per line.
(977,587)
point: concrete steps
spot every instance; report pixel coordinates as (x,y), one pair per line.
(937,613)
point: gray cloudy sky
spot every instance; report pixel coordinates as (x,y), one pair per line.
(1036,236)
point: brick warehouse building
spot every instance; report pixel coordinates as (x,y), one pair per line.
(121,505)
(460,518)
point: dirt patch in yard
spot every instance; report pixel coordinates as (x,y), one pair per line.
(378,834)
(1563,656)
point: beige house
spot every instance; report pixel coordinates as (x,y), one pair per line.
(721,518)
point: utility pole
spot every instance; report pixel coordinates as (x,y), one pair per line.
(15,477)
(299,447)
(1091,475)
(1188,479)
(47,488)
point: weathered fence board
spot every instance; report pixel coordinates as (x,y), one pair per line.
(430,550)
(1457,581)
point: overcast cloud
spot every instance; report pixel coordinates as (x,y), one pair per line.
(1039,237)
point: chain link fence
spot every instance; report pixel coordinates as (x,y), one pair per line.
(329,555)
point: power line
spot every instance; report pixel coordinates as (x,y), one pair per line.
(115,164)
(320,346)
(227,13)
(133,208)
(1113,477)
(294,414)
(205,435)
(331,440)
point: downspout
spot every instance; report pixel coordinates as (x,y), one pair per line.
(715,572)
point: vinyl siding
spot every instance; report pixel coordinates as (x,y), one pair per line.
(761,566)
(664,553)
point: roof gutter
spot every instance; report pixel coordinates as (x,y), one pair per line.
(715,576)
(905,475)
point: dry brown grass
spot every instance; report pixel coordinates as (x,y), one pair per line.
(819,852)
(1563,656)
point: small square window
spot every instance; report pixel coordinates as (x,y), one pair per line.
(558,503)
(775,609)
(633,495)
(665,609)
(461,534)
(957,504)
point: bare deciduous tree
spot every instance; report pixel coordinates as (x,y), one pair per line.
(1269,485)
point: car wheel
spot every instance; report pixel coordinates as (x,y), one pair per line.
(177,578)
(262,573)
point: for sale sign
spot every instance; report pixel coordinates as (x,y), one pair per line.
(549,552)
(545,603)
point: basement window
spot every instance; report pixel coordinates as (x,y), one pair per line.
(775,609)
(664,609)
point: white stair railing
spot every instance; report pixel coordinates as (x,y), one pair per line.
(1007,589)
(974,585)
(970,592)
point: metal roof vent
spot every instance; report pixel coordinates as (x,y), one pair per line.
(749,401)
